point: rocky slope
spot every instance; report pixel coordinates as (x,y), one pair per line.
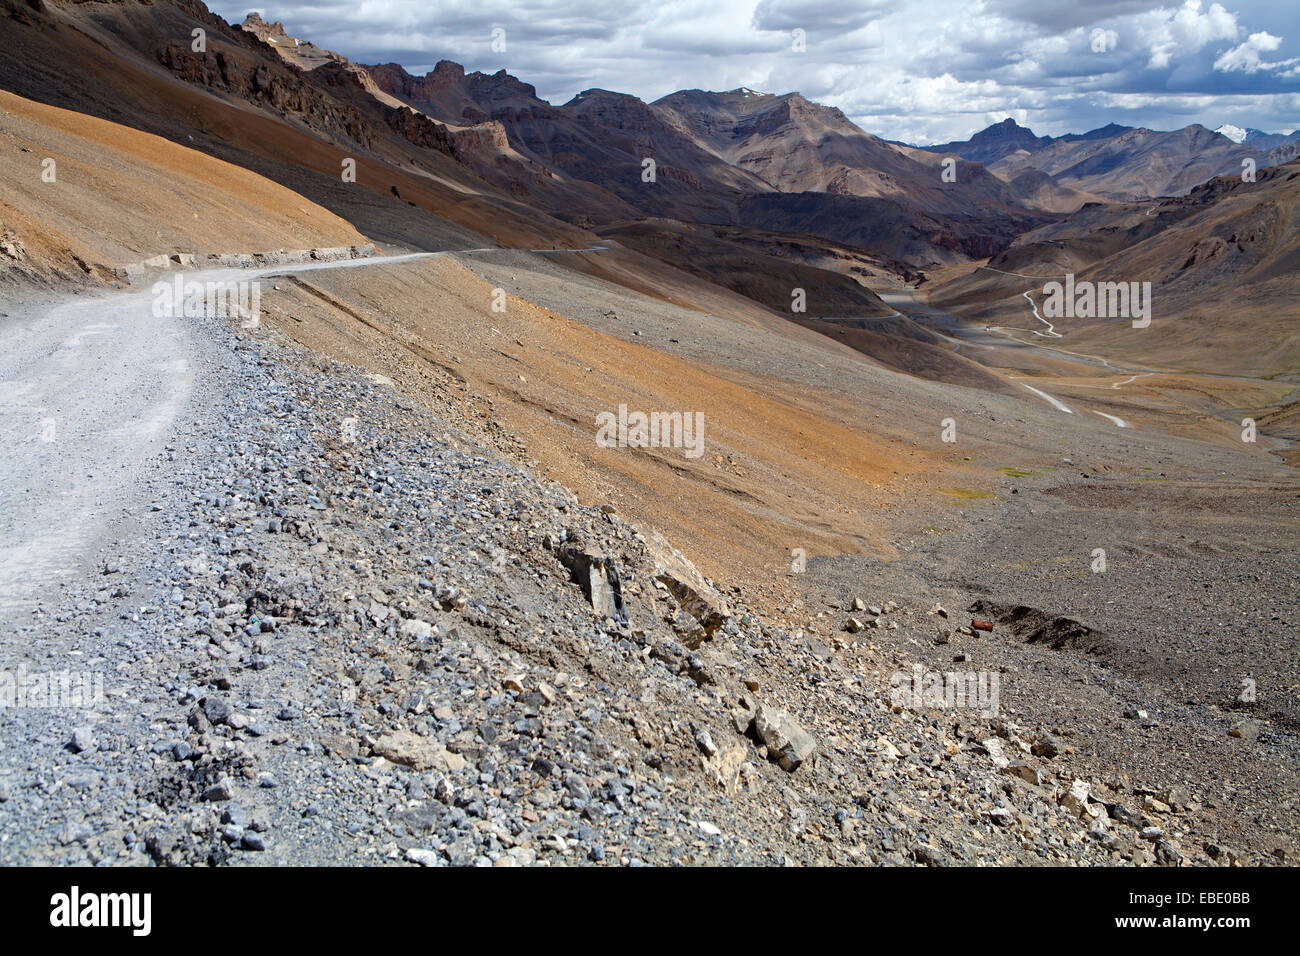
(341,633)
(343,612)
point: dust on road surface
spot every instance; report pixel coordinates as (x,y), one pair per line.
(89,388)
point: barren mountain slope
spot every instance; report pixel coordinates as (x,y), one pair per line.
(1224,263)
(1134,163)
(1117,162)
(119,196)
(422,567)
(599,137)
(801,146)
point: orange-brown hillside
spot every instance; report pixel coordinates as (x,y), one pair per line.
(120,196)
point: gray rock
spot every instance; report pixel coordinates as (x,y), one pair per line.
(598,577)
(423,857)
(787,743)
(83,739)
(223,789)
(217,709)
(704,741)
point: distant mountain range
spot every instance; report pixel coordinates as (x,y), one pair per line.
(1124,163)
(1257,138)
(738,157)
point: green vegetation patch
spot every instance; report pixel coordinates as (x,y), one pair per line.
(965,494)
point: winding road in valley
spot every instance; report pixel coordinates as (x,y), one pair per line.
(952,329)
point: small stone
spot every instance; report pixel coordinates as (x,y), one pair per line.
(418,753)
(1099,830)
(928,855)
(1046,746)
(223,789)
(417,628)
(1167,853)
(1151,805)
(1246,730)
(1076,798)
(1022,770)
(1002,817)
(217,709)
(83,739)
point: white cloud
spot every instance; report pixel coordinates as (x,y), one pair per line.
(923,70)
(1185,31)
(1246,56)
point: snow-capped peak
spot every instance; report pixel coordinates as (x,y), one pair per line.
(1234,133)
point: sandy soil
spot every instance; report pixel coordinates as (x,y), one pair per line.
(120,196)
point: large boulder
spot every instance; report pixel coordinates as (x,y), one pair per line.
(597,575)
(787,743)
(687,585)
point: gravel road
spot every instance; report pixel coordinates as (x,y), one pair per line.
(91,387)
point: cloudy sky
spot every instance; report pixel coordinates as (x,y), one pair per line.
(921,72)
